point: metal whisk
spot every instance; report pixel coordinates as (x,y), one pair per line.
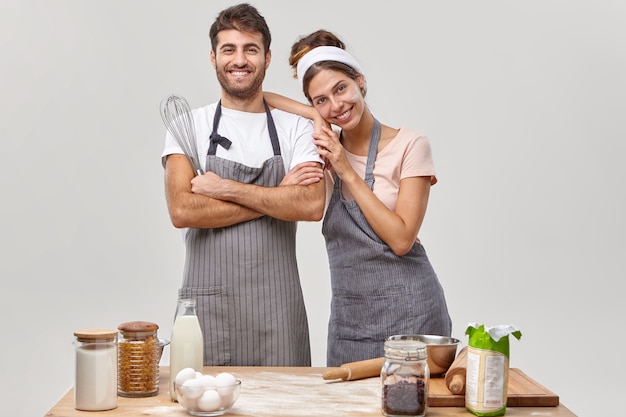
(176,115)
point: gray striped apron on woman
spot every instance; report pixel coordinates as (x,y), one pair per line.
(375,293)
(245,277)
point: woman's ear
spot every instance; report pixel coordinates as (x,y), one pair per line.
(360,80)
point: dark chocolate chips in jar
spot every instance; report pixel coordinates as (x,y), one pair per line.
(404,398)
(405,377)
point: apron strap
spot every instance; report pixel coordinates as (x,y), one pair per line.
(216,139)
(371,154)
(272,128)
(371,157)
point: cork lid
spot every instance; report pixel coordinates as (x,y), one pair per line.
(137,327)
(96,335)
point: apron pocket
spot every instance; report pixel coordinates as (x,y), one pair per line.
(355,258)
(212,307)
(369,315)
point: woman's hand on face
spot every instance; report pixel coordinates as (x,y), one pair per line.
(305,173)
(331,150)
(319,122)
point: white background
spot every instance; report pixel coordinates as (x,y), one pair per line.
(524,105)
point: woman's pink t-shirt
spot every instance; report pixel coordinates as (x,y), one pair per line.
(407,155)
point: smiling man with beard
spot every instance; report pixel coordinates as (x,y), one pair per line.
(240,217)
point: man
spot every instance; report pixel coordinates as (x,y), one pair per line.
(241,215)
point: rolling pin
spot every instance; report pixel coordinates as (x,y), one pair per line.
(356,370)
(455,376)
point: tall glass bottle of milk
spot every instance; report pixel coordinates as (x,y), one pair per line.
(187,344)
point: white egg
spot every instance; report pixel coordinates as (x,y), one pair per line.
(225,383)
(210,400)
(208,381)
(188,403)
(192,388)
(183,375)
(228,400)
(198,374)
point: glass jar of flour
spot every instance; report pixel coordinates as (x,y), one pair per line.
(95,380)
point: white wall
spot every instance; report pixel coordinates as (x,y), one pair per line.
(523,103)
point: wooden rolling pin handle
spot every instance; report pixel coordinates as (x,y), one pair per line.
(336,373)
(356,370)
(457,384)
(455,376)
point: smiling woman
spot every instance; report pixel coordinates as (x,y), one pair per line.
(381,180)
(522,103)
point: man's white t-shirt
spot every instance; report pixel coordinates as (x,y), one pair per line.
(249,134)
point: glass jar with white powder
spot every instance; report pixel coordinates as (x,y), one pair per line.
(95,382)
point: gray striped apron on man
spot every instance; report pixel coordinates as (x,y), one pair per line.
(375,293)
(245,277)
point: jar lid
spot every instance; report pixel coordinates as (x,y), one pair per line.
(406,347)
(137,326)
(96,335)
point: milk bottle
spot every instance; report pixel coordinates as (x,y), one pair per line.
(187,344)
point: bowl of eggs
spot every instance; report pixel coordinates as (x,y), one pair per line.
(206,395)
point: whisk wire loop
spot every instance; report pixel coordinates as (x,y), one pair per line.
(178,120)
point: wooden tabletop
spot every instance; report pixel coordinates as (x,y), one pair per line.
(283,391)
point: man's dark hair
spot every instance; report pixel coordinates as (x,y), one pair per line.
(244,18)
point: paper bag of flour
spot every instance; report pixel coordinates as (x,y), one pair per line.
(487,374)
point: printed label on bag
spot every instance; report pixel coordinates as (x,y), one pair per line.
(486,380)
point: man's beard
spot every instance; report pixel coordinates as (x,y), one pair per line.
(244,91)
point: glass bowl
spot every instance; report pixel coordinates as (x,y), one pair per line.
(201,400)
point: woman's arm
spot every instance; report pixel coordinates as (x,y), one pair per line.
(396,228)
(295,107)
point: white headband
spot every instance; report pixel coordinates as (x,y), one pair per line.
(325,53)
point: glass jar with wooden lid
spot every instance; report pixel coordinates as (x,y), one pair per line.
(138,359)
(95,369)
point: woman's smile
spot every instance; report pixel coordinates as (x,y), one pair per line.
(344,116)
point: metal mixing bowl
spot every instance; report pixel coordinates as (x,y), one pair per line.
(441,351)
(162,344)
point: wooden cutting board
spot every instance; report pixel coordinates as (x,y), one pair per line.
(523,392)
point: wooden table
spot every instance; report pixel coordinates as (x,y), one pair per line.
(283,391)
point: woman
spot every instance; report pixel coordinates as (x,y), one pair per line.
(381,278)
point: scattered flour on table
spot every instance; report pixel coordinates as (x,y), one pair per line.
(273,394)
(172,410)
